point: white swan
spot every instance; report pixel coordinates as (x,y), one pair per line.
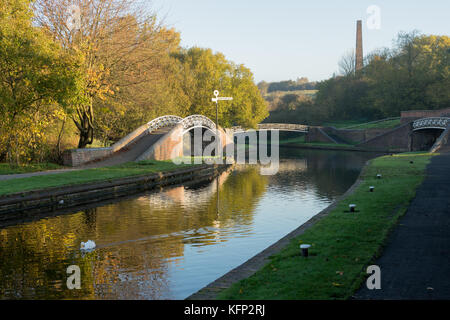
(88,245)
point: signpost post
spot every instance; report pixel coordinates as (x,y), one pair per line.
(216,100)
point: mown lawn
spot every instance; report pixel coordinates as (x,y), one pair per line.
(360,124)
(387,124)
(6,168)
(343,243)
(88,175)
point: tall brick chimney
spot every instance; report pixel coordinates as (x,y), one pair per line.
(359,49)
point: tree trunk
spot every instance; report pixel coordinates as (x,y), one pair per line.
(85,124)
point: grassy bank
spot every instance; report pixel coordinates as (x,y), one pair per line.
(88,175)
(301,141)
(358,124)
(343,243)
(6,168)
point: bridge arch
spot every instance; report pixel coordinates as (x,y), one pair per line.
(426,131)
(164,121)
(197,121)
(431,123)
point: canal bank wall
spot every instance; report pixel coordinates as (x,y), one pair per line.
(252,265)
(24,205)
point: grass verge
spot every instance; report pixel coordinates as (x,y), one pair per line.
(361,124)
(386,124)
(316,144)
(88,175)
(343,243)
(6,168)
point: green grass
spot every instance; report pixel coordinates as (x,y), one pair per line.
(342,124)
(327,144)
(301,142)
(300,139)
(88,175)
(358,124)
(387,124)
(343,243)
(6,168)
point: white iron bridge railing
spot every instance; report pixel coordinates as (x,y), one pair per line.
(431,123)
(164,121)
(275,126)
(197,120)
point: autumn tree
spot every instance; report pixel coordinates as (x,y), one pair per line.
(202,72)
(38,80)
(108,33)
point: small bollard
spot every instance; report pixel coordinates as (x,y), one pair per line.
(352,207)
(411,162)
(379,176)
(371,188)
(305,248)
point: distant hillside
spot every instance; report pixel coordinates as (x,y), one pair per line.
(288,85)
(285,95)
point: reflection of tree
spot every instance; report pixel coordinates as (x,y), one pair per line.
(34,258)
(329,172)
(238,197)
(135,239)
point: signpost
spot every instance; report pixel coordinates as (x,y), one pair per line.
(216,100)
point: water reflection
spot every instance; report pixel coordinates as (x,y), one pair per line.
(167,245)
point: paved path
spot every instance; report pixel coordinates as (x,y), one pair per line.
(32,174)
(415,263)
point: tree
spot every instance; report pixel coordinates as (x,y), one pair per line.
(104,38)
(347,63)
(37,78)
(203,72)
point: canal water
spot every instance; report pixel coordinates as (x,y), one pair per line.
(169,244)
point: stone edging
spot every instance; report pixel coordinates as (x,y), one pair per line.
(57,198)
(258,261)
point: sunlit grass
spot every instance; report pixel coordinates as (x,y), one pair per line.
(6,168)
(88,175)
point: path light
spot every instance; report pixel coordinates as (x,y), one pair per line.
(352,207)
(305,248)
(371,188)
(411,162)
(379,176)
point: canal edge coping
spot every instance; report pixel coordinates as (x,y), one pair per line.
(55,198)
(252,265)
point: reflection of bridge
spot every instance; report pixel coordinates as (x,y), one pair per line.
(161,139)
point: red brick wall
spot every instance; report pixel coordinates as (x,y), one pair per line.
(408,116)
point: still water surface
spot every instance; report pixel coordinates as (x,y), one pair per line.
(169,244)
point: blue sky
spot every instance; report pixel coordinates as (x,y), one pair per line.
(286,39)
